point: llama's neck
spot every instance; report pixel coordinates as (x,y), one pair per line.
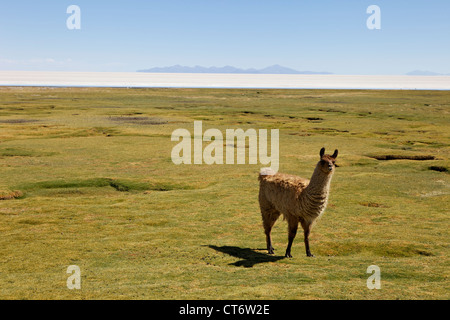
(319,185)
(315,197)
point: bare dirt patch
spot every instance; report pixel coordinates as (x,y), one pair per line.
(314,119)
(373,205)
(139,120)
(402,157)
(15,121)
(438,168)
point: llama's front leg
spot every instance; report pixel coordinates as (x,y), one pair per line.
(292,232)
(307,230)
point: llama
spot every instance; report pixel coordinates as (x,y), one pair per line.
(299,200)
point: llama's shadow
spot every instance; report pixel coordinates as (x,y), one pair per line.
(249,257)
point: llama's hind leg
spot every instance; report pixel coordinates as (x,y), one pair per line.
(269,216)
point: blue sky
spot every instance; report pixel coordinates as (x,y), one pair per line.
(304,35)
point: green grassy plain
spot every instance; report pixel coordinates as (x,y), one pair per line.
(87,179)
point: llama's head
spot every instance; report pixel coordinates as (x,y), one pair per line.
(327,163)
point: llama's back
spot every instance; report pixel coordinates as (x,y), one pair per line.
(285,181)
(281,191)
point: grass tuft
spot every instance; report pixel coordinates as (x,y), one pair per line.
(121,185)
(9,195)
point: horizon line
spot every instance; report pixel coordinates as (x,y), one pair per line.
(427,74)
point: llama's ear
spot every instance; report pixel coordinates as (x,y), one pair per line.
(335,154)
(322,152)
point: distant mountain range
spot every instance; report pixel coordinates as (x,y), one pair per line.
(275,69)
(426,73)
